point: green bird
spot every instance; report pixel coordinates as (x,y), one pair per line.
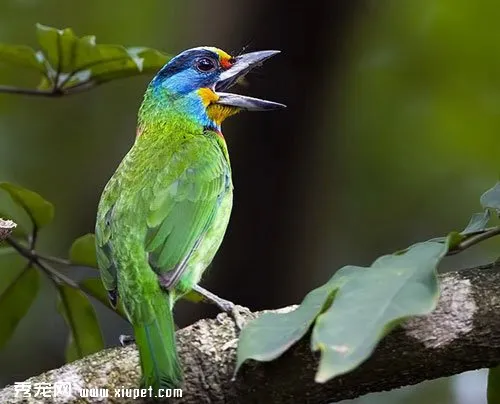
(163,214)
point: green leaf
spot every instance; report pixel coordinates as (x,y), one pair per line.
(83,251)
(491,198)
(117,62)
(95,288)
(85,335)
(493,393)
(352,312)
(193,296)
(271,334)
(372,302)
(39,210)
(75,61)
(6,251)
(16,300)
(23,56)
(67,61)
(478,223)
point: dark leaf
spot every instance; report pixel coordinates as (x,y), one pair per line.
(16,300)
(83,251)
(39,210)
(84,333)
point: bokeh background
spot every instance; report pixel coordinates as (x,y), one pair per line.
(390,136)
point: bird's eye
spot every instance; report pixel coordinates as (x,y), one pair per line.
(205,65)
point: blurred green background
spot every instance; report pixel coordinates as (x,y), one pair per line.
(390,136)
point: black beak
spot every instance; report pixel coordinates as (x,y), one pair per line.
(242,65)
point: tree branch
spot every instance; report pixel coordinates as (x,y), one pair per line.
(29,91)
(462,334)
(55,92)
(6,228)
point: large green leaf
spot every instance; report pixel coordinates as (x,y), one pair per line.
(94,288)
(83,251)
(494,386)
(371,302)
(271,334)
(85,335)
(68,62)
(38,209)
(16,300)
(491,198)
(352,312)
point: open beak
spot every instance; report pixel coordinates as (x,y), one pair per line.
(242,65)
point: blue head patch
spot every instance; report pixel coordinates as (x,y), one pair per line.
(191,70)
(180,79)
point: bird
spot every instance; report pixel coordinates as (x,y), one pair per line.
(163,214)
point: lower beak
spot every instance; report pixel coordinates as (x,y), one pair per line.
(242,65)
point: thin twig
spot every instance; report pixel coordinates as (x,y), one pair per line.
(29,91)
(34,236)
(32,256)
(475,239)
(53,260)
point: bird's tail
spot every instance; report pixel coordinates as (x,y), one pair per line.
(157,349)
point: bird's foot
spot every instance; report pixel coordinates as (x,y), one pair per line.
(238,313)
(126,340)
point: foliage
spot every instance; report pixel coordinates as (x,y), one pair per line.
(85,335)
(69,64)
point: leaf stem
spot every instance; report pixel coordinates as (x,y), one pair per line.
(52,259)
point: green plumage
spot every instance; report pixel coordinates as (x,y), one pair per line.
(164,211)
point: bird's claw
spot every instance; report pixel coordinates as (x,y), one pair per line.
(126,340)
(239,314)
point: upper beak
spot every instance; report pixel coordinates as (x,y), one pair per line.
(242,65)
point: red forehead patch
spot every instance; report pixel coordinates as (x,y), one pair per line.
(226,63)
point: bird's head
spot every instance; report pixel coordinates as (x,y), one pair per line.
(194,82)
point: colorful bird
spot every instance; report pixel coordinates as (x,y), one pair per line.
(163,214)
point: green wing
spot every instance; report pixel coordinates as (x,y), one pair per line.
(186,199)
(105,261)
